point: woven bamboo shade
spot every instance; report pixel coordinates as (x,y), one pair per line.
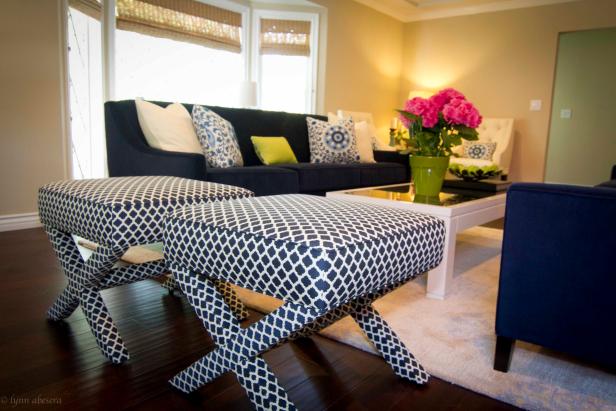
(183,20)
(286,37)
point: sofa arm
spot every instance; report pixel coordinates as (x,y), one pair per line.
(128,154)
(151,161)
(382,156)
(557,274)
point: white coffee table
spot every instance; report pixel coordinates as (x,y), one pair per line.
(459,209)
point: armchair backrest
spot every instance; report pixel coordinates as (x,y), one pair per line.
(556,285)
(500,131)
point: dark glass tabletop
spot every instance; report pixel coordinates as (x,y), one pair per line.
(448,197)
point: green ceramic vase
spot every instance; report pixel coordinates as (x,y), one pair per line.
(428,175)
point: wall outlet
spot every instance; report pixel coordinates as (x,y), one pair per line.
(535,105)
(565,113)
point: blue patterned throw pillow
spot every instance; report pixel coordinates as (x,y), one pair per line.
(479,150)
(217,138)
(332,142)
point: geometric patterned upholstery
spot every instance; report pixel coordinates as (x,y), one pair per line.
(325,258)
(124,211)
(116,213)
(310,250)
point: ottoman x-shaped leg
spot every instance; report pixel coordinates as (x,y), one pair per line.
(239,349)
(86,279)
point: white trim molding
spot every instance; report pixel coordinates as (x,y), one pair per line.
(12,222)
(417,11)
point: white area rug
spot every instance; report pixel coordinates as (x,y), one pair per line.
(454,339)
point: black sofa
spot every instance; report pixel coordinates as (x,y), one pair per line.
(128,154)
(611,183)
(557,275)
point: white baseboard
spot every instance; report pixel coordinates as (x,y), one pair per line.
(13,222)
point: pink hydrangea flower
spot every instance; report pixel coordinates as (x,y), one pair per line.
(443,97)
(421,107)
(458,111)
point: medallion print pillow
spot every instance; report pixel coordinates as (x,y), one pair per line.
(332,142)
(217,138)
(479,150)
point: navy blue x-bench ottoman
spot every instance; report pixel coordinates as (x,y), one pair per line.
(116,213)
(324,258)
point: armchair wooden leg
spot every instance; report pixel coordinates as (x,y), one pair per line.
(503,353)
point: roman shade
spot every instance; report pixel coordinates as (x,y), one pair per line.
(183,20)
(285,37)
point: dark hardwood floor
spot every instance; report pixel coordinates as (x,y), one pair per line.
(52,365)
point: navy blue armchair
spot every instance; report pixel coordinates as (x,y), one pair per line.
(558,273)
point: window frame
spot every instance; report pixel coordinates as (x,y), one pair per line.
(256,66)
(251,15)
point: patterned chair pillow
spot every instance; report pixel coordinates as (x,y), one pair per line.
(479,150)
(332,142)
(217,138)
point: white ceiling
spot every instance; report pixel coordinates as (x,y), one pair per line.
(414,10)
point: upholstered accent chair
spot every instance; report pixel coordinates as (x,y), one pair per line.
(499,131)
(556,285)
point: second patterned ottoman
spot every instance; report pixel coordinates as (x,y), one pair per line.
(324,258)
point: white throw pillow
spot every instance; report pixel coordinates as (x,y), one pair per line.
(364,142)
(169,128)
(332,117)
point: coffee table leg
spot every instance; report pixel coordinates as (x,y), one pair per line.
(439,278)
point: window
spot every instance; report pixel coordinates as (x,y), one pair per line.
(286,65)
(183,50)
(178,50)
(87,145)
(168,70)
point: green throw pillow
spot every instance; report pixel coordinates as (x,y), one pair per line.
(273,150)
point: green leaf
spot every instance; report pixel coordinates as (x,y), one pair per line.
(468,133)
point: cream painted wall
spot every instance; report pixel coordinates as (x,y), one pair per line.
(582,149)
(31,115)
(364,61)
(501,61)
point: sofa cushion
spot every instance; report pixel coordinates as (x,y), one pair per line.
(380,174)
(262,180)
(325,177)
